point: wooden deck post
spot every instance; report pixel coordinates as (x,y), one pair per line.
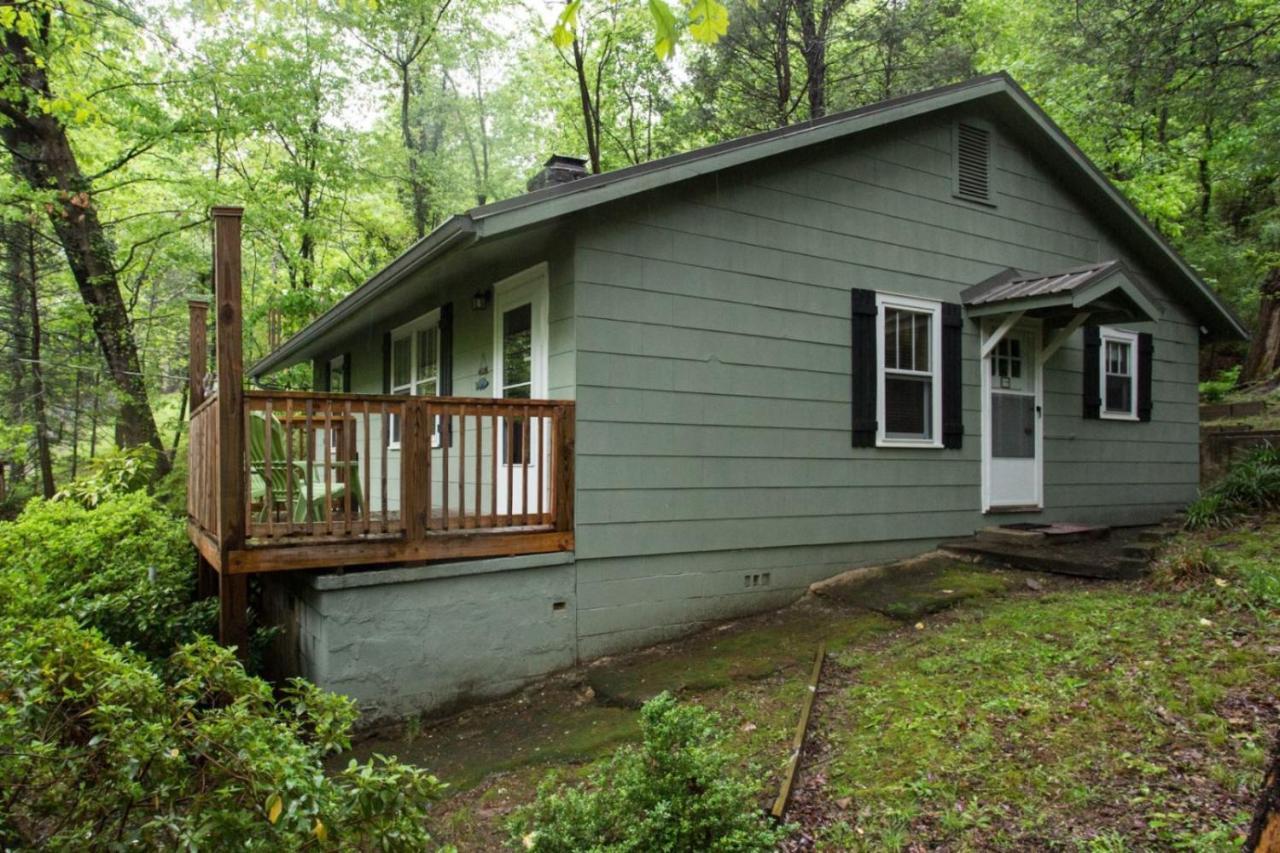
(197,369)
(233,627)
(415,471)
(564,468)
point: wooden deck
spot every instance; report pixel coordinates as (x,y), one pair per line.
(347,480)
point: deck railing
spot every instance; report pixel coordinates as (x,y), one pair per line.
(342,467)
(202,471)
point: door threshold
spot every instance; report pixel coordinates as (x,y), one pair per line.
(1008,510)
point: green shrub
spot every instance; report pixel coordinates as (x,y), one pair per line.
(677,791)
(99,749)
(123,567)
(1213,390)
(112,475)
(1251,484)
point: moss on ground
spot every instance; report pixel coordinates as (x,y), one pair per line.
(465,750)
(747,651)
(909,590)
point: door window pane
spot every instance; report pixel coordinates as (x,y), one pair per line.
(1013,426)
(517,351)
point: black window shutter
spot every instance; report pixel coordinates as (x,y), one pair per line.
(446,350)
(1092,368)
(863,349)
(445,381)
(346,373)
(952,399)
(1146,346)
(386,363)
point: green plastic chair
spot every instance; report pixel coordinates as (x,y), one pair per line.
(303,472)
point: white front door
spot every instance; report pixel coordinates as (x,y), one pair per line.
(520,373)
(1011,412)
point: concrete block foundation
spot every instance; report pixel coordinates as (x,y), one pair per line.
(406,640)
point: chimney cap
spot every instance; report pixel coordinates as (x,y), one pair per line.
(559,169)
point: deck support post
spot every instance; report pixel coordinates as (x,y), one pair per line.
(197,369)
(564,472)
(233,626)
(415,444)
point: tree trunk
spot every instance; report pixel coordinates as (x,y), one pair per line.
(43,455)
(1264,832)
(43,157)
(19,316)
(1263,359)
(782,62)
(75,414)
(588,108)
(417,191)
(813,48)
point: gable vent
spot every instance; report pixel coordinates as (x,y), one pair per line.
(973,163)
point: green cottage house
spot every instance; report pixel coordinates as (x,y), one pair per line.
(608,411)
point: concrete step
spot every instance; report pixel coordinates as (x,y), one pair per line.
(1145,551)
(1043,559)
(1009,536)
(1032,536)
(1133,567)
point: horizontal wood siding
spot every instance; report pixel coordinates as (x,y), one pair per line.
(712,378)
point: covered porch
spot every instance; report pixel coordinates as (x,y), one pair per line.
(283,481)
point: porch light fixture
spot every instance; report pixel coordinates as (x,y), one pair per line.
(480,300)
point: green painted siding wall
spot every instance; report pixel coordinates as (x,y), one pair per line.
(713,379)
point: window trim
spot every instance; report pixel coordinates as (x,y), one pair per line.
(934,309)
(409,331)
(1107,335)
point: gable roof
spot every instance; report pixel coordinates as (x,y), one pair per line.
(997,92)
(1106,290)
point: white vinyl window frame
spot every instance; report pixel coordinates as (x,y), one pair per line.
(410,335)
(1122,364)
(934,372)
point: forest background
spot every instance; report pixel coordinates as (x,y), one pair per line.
(348,129)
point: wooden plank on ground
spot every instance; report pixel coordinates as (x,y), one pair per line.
(797,743)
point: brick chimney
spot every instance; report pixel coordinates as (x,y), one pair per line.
(559,169)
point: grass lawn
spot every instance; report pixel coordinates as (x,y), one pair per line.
(1061,714)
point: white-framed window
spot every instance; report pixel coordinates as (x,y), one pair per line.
(415,363)
(1118,366)
(908,376)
